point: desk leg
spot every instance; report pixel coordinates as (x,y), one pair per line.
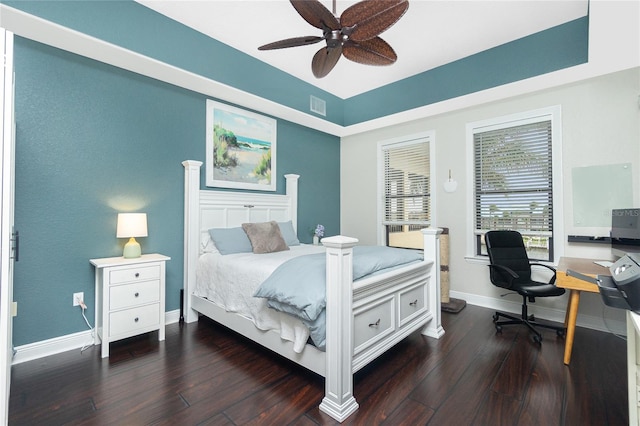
(574,300)
(566,313)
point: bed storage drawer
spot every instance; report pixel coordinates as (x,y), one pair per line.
(412,302)
(141,273)
(131,320)
(134,294)
(373,322)
(405,299)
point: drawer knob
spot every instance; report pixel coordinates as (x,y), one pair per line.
(414,303)
(137,294)
(136,319)
(375,324)
(137,274)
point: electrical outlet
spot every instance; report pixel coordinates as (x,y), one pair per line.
(77,298)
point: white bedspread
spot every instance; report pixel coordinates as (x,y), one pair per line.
(231,280)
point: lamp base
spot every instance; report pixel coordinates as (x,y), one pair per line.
(132,249)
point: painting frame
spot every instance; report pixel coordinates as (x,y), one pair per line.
(240,148)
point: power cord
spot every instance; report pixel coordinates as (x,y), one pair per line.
(83,308)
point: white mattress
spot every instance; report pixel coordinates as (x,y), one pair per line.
(231,280)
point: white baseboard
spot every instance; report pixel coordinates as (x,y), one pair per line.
(607,325)
(68,342)
(172,317)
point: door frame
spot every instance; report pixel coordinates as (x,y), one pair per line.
(7,129)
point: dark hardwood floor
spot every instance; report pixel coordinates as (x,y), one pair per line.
(206,374)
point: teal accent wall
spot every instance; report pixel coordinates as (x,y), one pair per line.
(137,28)
(130,25)
(93,140)
(556,48)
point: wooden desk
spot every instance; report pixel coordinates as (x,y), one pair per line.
(575,286)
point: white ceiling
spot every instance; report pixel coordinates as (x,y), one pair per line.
(430,34)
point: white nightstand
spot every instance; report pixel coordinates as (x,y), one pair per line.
(129,297)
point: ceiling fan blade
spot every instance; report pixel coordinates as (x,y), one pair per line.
(316,14)
(371,17)
(324,60)
(291,42)
(375,51)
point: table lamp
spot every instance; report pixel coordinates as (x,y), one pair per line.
(131,225)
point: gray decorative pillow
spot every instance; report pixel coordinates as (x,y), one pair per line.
(265,237)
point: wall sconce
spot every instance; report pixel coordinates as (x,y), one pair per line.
(450,185)
(131,225)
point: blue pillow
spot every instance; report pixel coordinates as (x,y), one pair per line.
(288,234)
(231,240)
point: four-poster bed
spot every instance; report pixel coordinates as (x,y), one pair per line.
(364,318)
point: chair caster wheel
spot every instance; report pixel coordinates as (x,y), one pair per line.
(561,333)
(498,329)
(537,339)
(495,318)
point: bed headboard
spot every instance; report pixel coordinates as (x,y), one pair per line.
(205,209)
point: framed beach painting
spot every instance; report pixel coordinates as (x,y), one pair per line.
(241,148)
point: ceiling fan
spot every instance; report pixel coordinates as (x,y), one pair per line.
(354,34)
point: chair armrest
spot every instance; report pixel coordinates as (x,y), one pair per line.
(508,274)
(553,278)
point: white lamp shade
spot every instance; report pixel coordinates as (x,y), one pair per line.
(131,225)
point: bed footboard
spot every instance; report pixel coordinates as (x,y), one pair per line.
(382,310)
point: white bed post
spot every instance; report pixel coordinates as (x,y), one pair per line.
(191,233)
(432,251)
(338,401)
(292,192)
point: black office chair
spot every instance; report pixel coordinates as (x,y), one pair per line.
(510,268)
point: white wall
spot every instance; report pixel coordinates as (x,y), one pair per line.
(600,125)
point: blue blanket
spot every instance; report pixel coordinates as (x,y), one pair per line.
(297,287)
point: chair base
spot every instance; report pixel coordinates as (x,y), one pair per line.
(527,320)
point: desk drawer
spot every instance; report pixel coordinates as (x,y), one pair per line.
(130,320)
(141,273)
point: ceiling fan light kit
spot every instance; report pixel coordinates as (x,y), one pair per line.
(355,34)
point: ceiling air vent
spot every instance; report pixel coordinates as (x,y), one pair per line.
(318,106)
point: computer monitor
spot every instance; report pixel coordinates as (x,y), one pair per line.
(625,231)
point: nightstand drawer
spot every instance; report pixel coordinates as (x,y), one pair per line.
(412,303)
(373,322)
(134,294)
(132,319)
(141,273)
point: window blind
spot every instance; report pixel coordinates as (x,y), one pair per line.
(513,179)
(407,183)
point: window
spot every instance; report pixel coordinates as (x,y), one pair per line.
(405,190)
(513,180)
